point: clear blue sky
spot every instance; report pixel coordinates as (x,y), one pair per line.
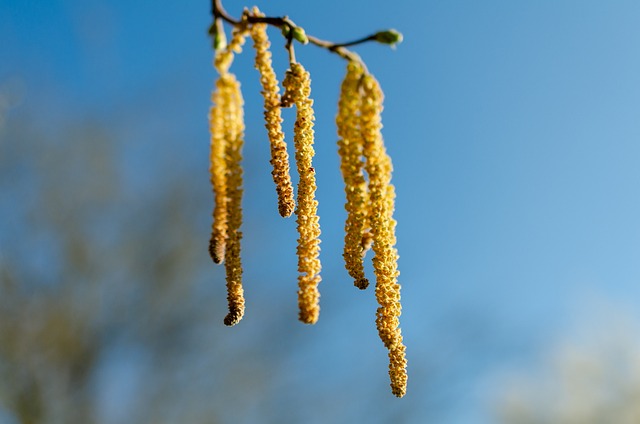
(514,129)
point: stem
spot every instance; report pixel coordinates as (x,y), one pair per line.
(338,48)
(290,49)
(218,12)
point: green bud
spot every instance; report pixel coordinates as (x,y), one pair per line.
(390,36)
(299,35)
(285,31)
(219,41)
(216,31)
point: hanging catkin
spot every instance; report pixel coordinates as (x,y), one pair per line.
(297,84)
(350,148)
(233,157)
(226,121)
(385,261)
(217,171)
(273,118)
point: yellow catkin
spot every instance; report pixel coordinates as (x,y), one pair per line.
(227,130)
(224,58)
(273,118)
(233,159)
(350,148)
(381,196)
(219,123)
(217,171)
(297,84)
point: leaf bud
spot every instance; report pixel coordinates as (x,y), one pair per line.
(390,36)
(299,35)
(216,31)
(285,31)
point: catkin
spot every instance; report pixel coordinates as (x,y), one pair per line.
(297,84)
(233,159)
(273,118)
(217,171)
(226,121)
(350,148)
(381,196)
(224,58)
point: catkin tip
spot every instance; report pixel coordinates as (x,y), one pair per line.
(398,370)
(398,391)
(233,317)
(286,208)
(309,317)
(361,283)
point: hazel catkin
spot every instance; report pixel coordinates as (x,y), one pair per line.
(385,262)
(297,84)
(350,149)
(218,171)
(224,58)
(233,158)
(227,131)
(273,118)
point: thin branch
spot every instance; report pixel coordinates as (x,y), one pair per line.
(284,22)
(218,12)
(290,48)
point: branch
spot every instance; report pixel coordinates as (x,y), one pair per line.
(291,31)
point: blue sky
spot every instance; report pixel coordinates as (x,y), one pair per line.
(513,127)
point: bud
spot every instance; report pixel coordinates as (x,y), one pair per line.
(216,31)
(299,35)
(390,36)
(285,31)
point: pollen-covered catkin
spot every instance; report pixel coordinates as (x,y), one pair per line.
(350,148)
(219,126)
(381,196)
(224,58)
(233,159)
(217,172)
(297,84)
(227,131)
(273,118)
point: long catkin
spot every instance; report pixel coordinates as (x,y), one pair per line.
(217,172)
(297,84)
(233,158)
(226,121)
(350,149)
(378,166)
(273,119)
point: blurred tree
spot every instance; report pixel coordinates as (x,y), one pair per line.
(105,306)
(593,383)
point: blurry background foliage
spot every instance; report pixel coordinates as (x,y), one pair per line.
(514,131)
